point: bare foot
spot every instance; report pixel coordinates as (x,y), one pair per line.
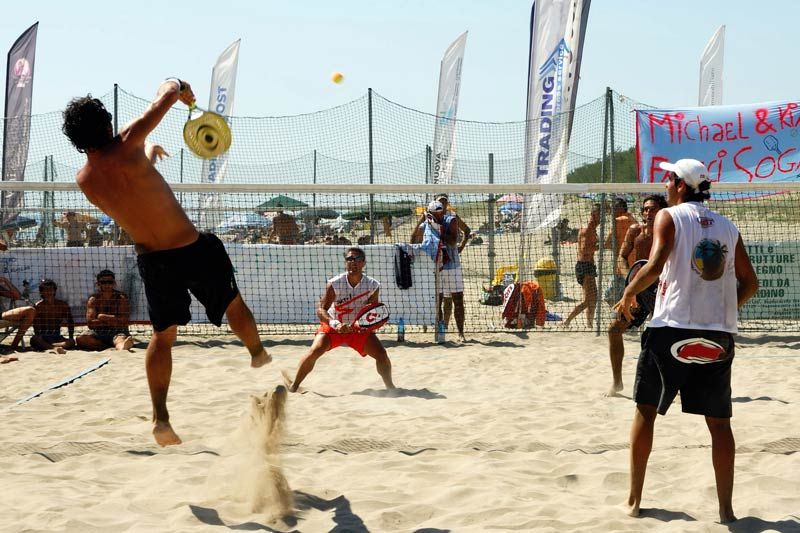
(261,359)
(289,383)
(631,509)
(615,389)
(127,344)
(727,516)
(461,338)
(8,359)
(165,435)
(59,350)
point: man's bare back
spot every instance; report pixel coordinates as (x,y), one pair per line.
(149,213)
(587,244)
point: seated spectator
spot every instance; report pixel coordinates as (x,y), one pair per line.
(21,317)
(51,314)
(108,316)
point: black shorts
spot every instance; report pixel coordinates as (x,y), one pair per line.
(583,269)
(695,362)
(202,268)
(107,336)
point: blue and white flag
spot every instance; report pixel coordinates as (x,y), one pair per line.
(558,28)
(711,63)
(444,134)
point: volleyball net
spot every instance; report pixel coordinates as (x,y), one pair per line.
(515,277)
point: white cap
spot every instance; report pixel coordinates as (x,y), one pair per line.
(691,171)
(435,207)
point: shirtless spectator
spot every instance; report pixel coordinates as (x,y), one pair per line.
(623,220)
(585,268)
(22,317)
(74,228)
(108,315)
(284,228)
(51,315)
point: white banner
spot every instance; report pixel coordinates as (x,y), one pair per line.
(444,134)
(711,70)
(220,100)
(558,28)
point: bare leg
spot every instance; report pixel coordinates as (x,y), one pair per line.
(241,321)
(458,305)
(8,359)
(158,362)
(375,349)
(575,312)
(616,351)
(89,342)
(641,443)
(590,297)
(24,317)
(123,342)
(320,345)
(39,344)
(447,305)
(723,455)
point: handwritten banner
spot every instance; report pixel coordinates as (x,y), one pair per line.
(754,143)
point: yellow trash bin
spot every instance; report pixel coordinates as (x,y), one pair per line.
(545,273)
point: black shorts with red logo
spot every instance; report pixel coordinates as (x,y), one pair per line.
(695,362)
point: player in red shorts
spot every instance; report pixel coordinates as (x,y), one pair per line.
(344,296)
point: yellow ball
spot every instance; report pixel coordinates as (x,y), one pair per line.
(337,77)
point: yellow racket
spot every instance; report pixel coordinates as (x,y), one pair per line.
(206,133)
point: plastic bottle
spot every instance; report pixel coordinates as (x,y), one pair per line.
(401,330)
(440,332)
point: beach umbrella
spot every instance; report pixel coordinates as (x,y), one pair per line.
(515,198)
(511,206)
(380,210)
(17,223)
(281,200)
(318,212)
(243,221)
(105,220)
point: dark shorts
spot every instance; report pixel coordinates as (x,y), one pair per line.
(695,362)
(202,268)
(50,337)
(583,269)
(107,336)
(74,244)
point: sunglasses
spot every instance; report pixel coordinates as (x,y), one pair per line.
(351,258)
(106,282)
(647,209)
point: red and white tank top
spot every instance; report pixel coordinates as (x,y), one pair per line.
(350,299)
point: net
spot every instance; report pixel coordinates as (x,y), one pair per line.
(282,283)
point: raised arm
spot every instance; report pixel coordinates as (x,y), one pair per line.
(416,235)
(168,94)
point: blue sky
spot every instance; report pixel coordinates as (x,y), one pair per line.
(648,50)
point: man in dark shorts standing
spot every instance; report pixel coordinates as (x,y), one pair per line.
(585,268)
(174,258)
(704,275)
(636,245)
(108,313)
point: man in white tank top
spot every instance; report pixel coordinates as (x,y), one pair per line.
(698,259)
(344,296)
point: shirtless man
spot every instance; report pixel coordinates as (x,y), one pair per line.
(585,269)
(22,317)
(173,257)
(284,228)
(51,314)
(636,245)
(344,296)
(74,228)
(108,313)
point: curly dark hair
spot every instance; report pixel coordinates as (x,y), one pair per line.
(87,124)
(658,199)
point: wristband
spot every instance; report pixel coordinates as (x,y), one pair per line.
(334,323)
(181,84)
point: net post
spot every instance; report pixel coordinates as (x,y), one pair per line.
(602,237)
(116,109)
(428,169)
(314,196)
(490,207)
(371,168)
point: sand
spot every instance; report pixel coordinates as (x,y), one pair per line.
(506,433)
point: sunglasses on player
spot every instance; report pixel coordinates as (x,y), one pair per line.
(351,258)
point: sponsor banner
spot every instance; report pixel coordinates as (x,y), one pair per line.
(558,28)
(711,62)
(444,135)
(777,265)
(753,143)
(265,273)
(17,123)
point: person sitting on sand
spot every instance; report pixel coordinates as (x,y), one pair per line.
(51,314)
(344,296)
(108,315)
(21,317)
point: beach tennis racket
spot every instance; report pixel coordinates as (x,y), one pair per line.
(371,317)
(646,299)
(206,133)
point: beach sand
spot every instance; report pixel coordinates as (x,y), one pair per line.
(509,432)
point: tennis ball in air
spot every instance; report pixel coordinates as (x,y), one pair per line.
(337,77)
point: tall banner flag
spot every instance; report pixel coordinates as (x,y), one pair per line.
(753,143)
(710,92)
(558,28)
(444,133)
(17,123)
(220,100)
